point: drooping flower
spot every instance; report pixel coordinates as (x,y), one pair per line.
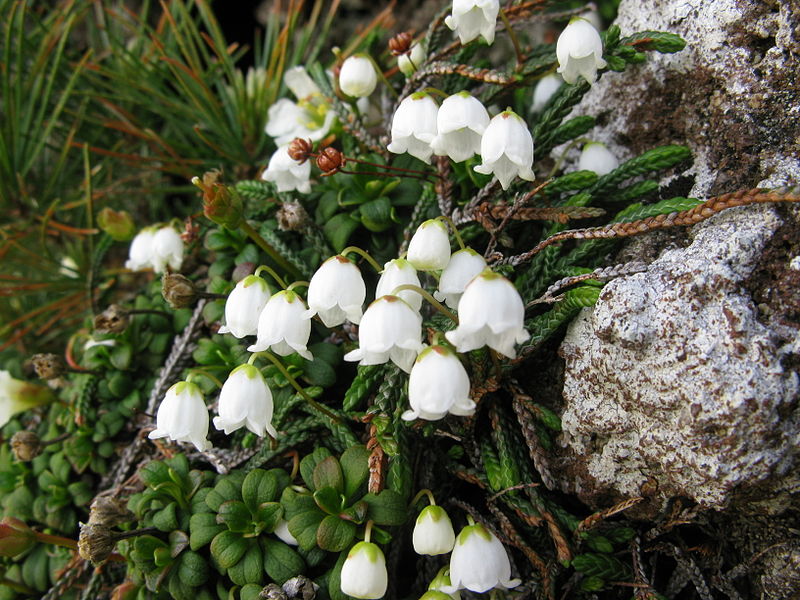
(244,305)
(479,562)
(507,149)
(409,62)
(461,122)
(245,401)
(308,118)
(182,416)
(364,572)
(283,533)
(17,396)
(140,254)
(433,532)
(438,385)
(395,273)
(579,51)
(414,126)
(429,248)
(390,330)
(283,326)
(471,18)
(439,583)
(286,173)
(167,250)
(596,157)
(357,77)
(544,90)
(490,313)
(463,266)
(336,292)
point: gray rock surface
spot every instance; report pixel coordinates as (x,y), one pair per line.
(683,380)
(674,378)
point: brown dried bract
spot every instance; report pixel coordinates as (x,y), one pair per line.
(401,43)
(300,150)
(330,160)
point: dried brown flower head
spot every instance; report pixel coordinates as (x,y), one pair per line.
(48,366)
(330,160)
(25,445)
(114,319)
(401,43)
(300,150)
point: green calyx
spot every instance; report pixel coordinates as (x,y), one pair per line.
(434,513)
(251,371)
(253,280)
(469,530)
(368,549)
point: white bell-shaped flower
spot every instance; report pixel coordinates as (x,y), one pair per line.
(479,562)
(357,77)
(460,123)
(17,396)
(409,62)
(364,572)
(336,292)
(438,385)
(390,330)
(182,416)
(596,157)
(471,18)
(579,51)
(433,532)
(283,326)
(167,249)
(414,126)
(544,90)
(491,313)
(283,533)
(244,305)
(140,254)
(397,272)
(463,266)
(429,248)
(245,401)
(286,173)
(507,149)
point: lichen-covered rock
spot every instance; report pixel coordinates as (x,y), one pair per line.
(731,95)
(672,382)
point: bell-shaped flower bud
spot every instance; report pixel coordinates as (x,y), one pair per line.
(461,122)
(15,537)
(473,18)
(490,313)
(433,532)
(414,126)
(397,272)
(286,173)
(507,149)
(409,62)
(118,224)
(429,248)
(17,396)
(463,266)
(438,385)
(167,250)
(245,401)
(596,157)
(479,562)
(364,572)
(182,416)
(579,51)
(244,305)
(390,330)
(140,254)
(283,326)
(544,90)
(336,292)
(357,77)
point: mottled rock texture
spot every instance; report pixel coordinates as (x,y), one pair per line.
(682,381)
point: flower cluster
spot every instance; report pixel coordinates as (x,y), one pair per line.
(156,248)
(461,128)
